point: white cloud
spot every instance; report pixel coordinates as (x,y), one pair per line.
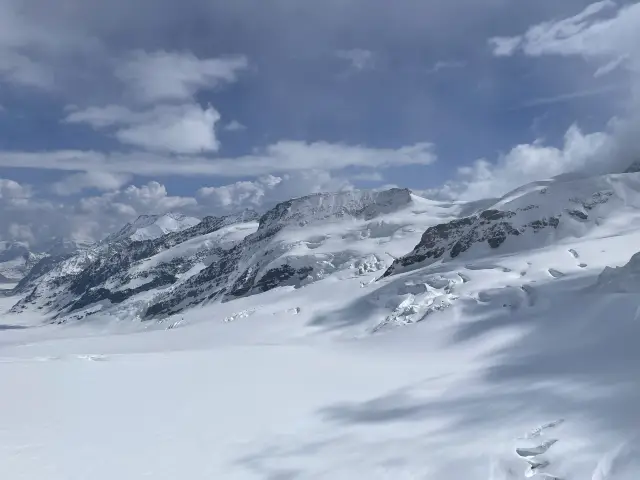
(12,190)
(79,182)
(367,177)
(31,50)
(446,65)
(529,162)
(359,59)
(21,233)
(567,97)
(234,126)
(149,198)
(611,66)
(505,46)
(21,70)
(269,189)
(28,217)
(606,35)
(184,129)
(286,156)
(32,218)
(610,41)
(95,217)
(162,76)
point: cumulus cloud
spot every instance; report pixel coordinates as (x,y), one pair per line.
(269,189)
(529,162)
(604,34)
(12,190)
(234,126)
(29,216)
(285,156)
(162,76)
(185,129)
(132,200)
(79,182)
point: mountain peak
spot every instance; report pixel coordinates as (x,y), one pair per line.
(320,206)
(148,227)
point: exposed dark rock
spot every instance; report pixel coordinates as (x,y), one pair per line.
(577,214)
(454,238)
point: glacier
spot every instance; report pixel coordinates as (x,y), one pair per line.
(361,334)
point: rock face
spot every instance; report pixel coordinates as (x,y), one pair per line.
(449,240)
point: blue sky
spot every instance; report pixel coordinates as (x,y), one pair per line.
(111,109)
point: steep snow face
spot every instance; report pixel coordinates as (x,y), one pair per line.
(532,216)
(109,275)
(309,239)
(149,227)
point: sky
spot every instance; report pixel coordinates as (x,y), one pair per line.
(110,108)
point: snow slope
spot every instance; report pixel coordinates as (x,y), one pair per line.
(510,361)
(149,227)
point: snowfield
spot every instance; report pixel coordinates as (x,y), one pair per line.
(500,363)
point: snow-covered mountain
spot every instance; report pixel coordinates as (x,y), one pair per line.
(149,227)
(296,243)
(17,259)
(304,240)
(530,217)
(333,326)
(123,267)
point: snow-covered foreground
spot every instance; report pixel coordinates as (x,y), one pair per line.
(293,384)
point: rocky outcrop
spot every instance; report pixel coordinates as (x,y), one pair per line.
(449,240)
